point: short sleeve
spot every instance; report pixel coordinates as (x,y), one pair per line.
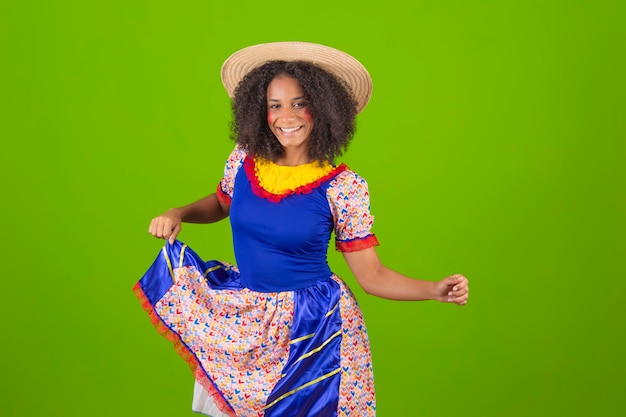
(349,201)
(227,184)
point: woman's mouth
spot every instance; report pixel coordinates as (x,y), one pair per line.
(290,129)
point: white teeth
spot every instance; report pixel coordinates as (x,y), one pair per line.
(290,129)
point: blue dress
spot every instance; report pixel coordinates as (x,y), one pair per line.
(279,334)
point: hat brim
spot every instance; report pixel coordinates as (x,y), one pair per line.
(330,59)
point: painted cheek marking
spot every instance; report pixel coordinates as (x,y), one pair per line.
(306,114)
(271,118)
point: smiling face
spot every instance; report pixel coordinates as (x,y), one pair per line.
(289,117)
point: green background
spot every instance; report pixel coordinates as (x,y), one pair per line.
(494,146)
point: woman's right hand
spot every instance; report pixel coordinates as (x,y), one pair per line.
(167,225)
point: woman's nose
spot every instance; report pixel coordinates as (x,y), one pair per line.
(286,113)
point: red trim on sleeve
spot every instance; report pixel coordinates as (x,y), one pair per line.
(356,244)
(222,196)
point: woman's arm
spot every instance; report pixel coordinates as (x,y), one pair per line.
(207,210)
(376,279)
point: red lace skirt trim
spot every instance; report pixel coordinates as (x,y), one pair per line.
(183,352)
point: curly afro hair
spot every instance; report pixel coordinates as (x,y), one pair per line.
(329,100)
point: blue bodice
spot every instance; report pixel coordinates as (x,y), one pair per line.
(280,246)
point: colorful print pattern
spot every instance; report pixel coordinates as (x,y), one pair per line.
(356,392)
(234,162)
(240,337)
(349,201)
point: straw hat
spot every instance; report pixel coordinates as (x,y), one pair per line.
(332,60)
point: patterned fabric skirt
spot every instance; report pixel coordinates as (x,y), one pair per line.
(299,353)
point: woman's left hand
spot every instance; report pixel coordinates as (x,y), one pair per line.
(453,289)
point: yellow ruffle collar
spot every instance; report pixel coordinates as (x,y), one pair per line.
(279,179)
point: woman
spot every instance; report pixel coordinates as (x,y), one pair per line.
(280,334)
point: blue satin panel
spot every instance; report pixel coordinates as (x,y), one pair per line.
(158,279)
(280,246)
(316,313)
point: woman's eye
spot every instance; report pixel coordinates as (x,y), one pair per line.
(300,104)
(273,106)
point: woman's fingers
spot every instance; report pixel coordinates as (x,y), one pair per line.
(174,233)
(163,227)
(459,294)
